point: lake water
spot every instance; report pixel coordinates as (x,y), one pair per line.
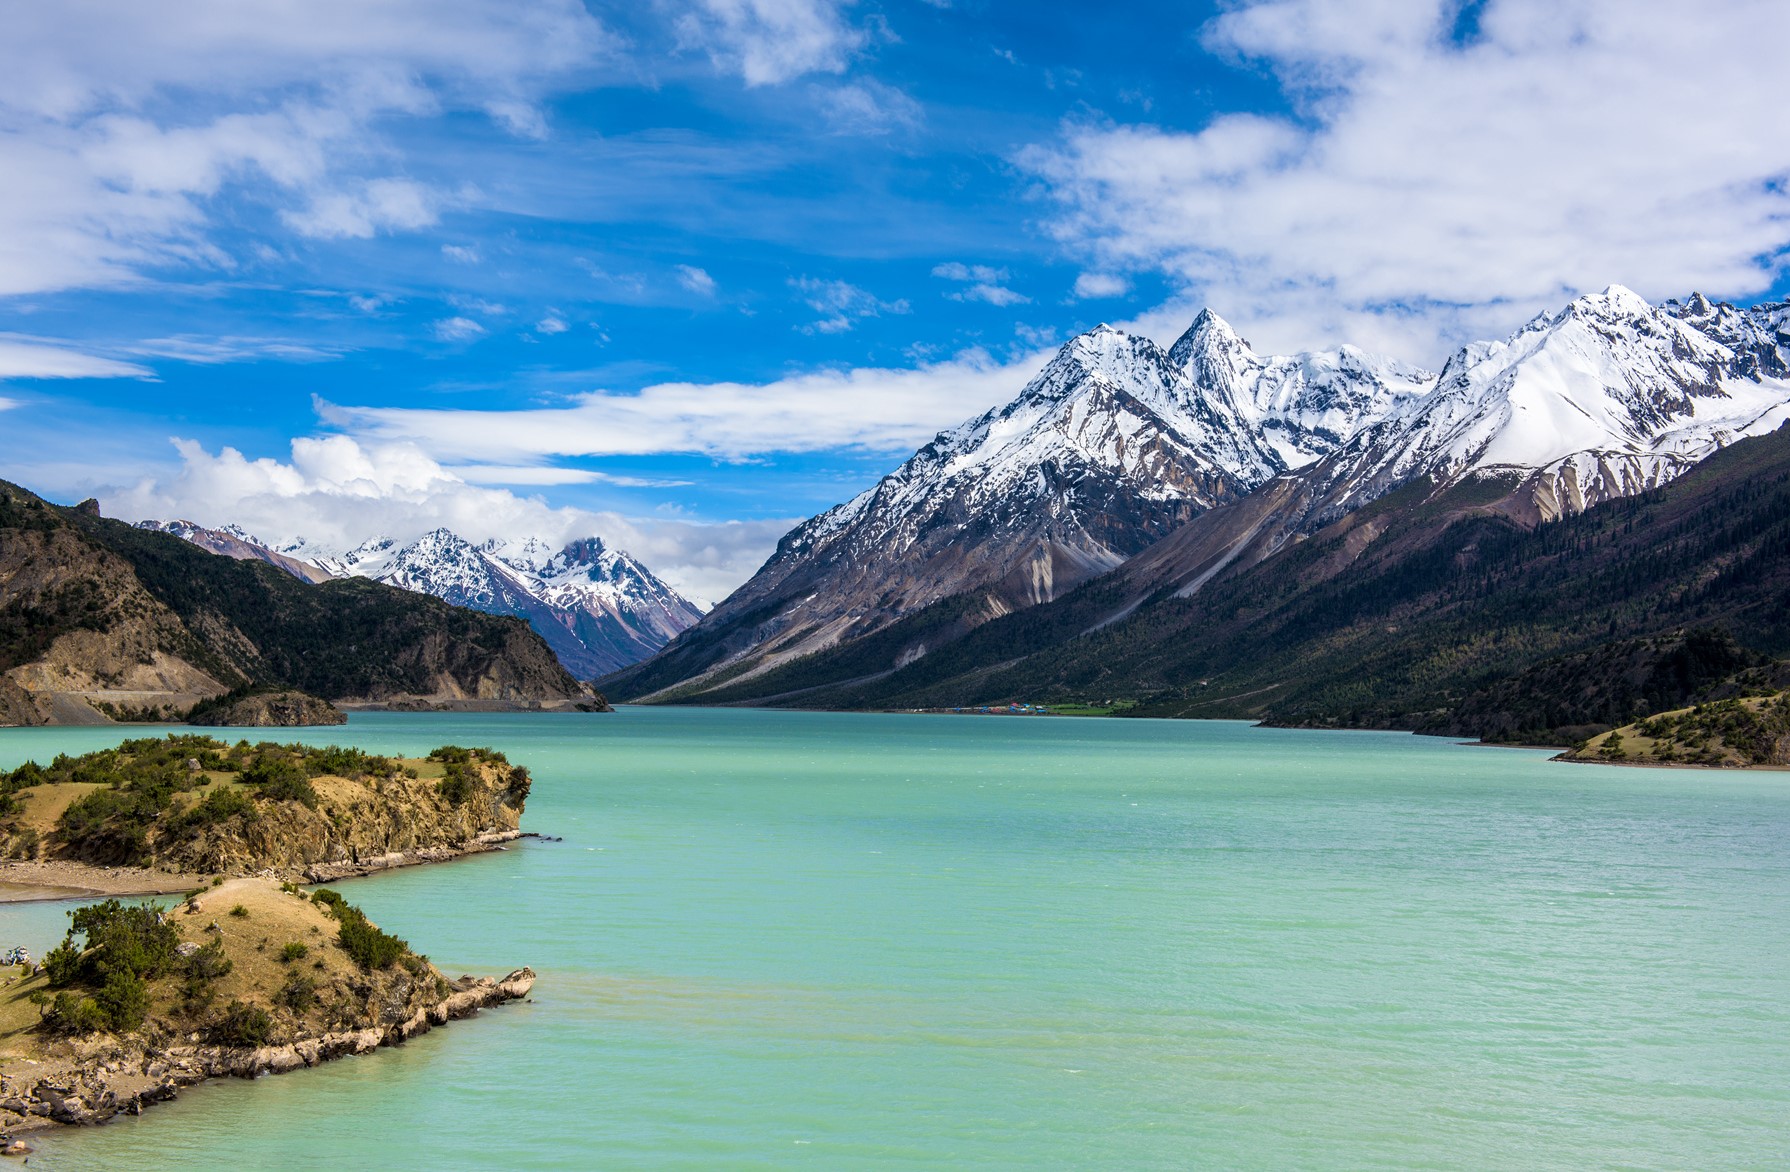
(776,940)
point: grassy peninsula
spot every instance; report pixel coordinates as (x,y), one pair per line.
(169,813)
(1737,733)
(243,978)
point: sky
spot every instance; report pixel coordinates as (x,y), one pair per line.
(680,273)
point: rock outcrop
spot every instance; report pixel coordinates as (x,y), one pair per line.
(285,709)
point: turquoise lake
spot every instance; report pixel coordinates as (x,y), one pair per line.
(796,940)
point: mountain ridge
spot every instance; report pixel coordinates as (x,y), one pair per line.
(598,608)
(1649,392)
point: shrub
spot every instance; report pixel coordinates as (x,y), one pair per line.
(70,1013)
(520,785)
(220,805)
(294,950)
(208,963)
(298,994)
(365,944)
(278,780)
(240,912)
(451,755)
(136,939)
(456,785)
(243,1025)
(124,1000)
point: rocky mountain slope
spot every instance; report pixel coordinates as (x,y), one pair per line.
(1114,444)
(1441,611)
(94,611)
(1607,398)
(233,541)
(598,608)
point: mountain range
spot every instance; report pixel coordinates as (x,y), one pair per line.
(102,620)
(1126,480)
(598,608)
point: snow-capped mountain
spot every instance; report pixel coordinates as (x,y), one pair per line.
(1608,397)
(1115,443)
(598,608)
(1118,442)
(1304,406)
(233,542)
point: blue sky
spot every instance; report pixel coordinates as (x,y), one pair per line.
(682,272)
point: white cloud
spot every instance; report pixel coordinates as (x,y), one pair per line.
(336,492)
(865,408)
(25,357)
(211,349)
(460,254)
(282,103)
(1431,187)
(842,303)
(457,329)
(958,271)
(551,324)
(867,107)
(696,280)
(1091,285)
(9,404)
(993,294)
(766,42)
(987,285)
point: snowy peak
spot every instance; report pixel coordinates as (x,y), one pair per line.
(1304,406)
(598,608)
(233,541)
(1610,392)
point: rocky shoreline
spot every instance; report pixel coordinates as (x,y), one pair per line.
(33,881)
(111,1078)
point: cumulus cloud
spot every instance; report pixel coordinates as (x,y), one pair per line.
(25,357)
(335,492)
(280,102)
(866,408)
(766,42)
(551,324)
(1435,184)
(696,280)
(841,303)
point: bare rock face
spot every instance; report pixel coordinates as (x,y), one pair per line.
(270,710)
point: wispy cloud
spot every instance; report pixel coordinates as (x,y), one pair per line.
(1431,186)
(27,357)
(551,324)
(766,42)
(866,408)
(457,329)
(1096,285)
(985,284)
(842,303)
(211,350)
(281,104)
(696,280)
